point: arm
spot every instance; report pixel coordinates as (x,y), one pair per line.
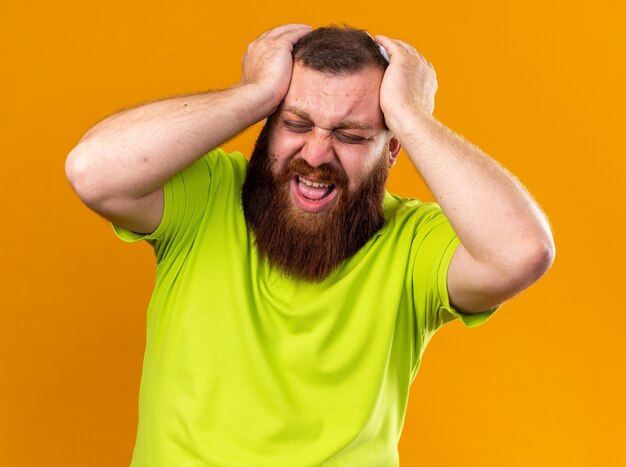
(119,167)
(506,242)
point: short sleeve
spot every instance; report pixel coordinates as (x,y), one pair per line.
(434,245)
(185,202)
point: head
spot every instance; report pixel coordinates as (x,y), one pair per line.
(315,184)
(339,51)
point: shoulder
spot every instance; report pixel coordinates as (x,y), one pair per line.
(219,160)
(411,214)
(418,230)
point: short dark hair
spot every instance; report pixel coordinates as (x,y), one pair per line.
(338,50)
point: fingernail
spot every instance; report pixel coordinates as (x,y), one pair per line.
(384,53)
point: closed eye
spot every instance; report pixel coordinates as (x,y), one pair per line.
(349,138)
(297,127)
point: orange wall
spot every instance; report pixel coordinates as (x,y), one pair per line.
(538,85)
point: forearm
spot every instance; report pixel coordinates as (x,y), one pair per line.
(134,152)
(495,218)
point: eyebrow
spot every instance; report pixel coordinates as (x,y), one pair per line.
(343,125)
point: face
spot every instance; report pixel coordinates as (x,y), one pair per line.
(333,124)
(315,182)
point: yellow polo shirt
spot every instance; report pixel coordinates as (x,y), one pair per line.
(246,367)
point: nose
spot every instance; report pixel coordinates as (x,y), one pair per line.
(318,149)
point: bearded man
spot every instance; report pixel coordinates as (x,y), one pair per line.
(294,297)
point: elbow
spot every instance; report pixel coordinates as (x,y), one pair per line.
(534,260)
(542,256)
(72,167)
(76,171)
(80,175)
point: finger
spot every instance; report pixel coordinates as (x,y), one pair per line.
(290,33)
(287,34)
(391,44)
(296,34)
(393,47)
(289,30)
(386,42)
(396,45)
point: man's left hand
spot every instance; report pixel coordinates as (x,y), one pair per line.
(409,84)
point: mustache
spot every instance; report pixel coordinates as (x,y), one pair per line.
(327,173)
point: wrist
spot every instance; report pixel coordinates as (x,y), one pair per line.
(410,123)
(259,101)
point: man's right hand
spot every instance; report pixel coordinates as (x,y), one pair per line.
(268,61)
(119,167)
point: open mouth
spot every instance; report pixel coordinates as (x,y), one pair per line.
(312,195)
(312,190)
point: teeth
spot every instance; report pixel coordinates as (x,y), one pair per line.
(314,184)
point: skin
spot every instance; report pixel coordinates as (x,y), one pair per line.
(506,241)
(119,167)
(335,120)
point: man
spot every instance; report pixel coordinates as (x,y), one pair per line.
(294,297)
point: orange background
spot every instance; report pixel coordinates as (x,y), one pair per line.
(538,85)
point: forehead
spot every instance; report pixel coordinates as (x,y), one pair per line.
(328,100)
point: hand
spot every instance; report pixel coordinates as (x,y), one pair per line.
(409,83)
(268,61)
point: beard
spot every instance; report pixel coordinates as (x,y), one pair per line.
(304,245)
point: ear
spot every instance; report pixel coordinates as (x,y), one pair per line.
(394,150)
